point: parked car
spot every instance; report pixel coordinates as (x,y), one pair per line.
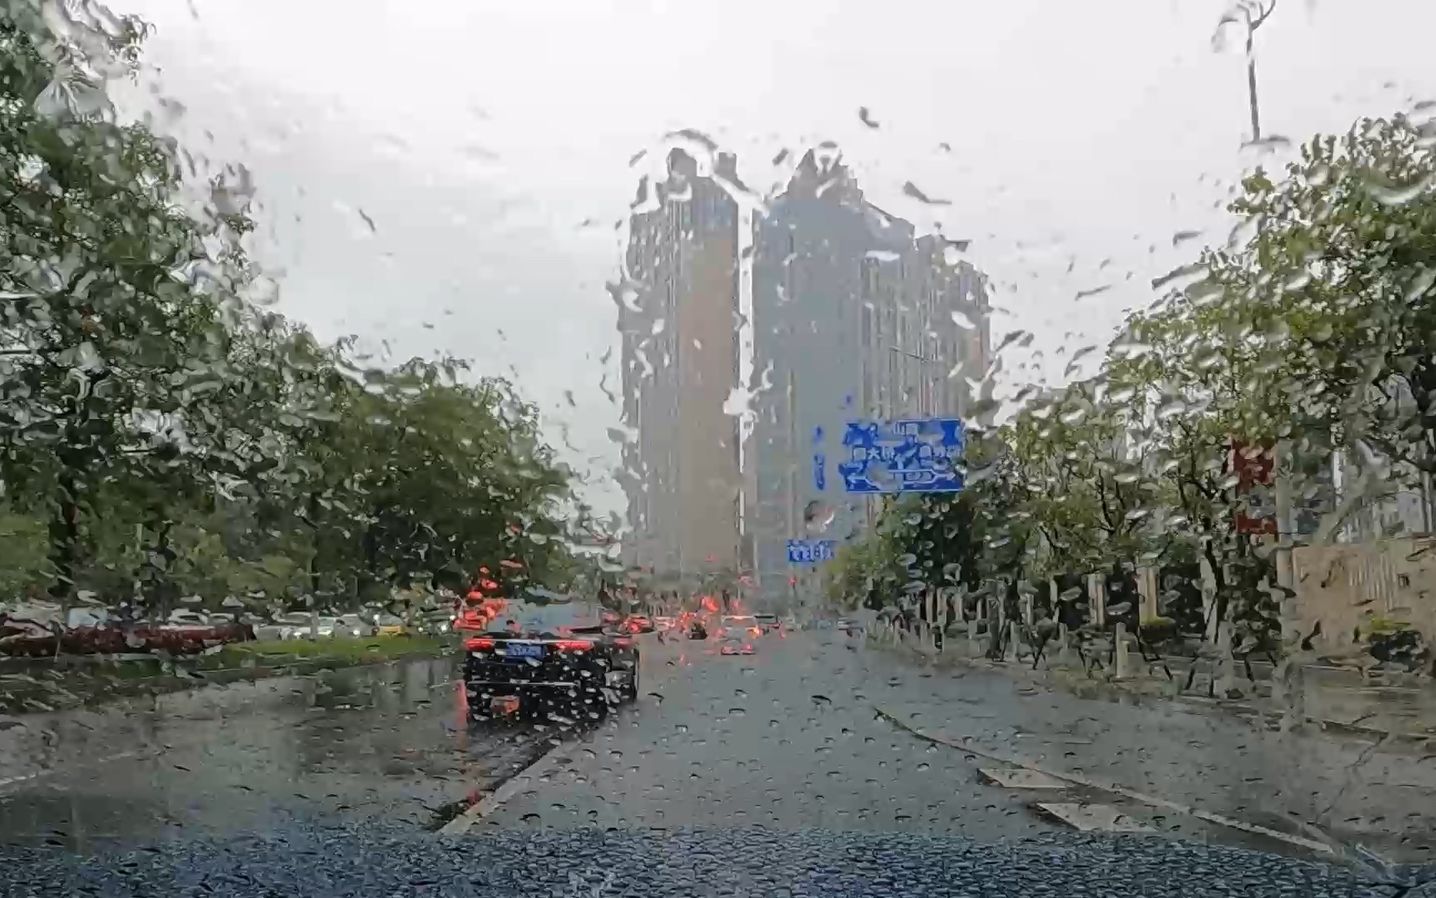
(393,625)
(354,625)
(284,626)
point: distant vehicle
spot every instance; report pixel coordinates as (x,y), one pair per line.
(185,618)
(283,626)
(739,625)
(554,660)
(768,623)
(637,623)
(354,625)
(735,646)
(697,630)
(300,625)
(391,625)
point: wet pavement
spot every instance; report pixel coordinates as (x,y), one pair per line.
(809,740)
(386,742)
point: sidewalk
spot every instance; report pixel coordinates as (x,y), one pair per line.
(1339,700)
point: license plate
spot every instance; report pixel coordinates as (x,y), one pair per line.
(523,650)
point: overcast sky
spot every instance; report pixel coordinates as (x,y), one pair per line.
(489,145)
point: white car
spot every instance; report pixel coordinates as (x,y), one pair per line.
(294,625)
(352,625)
(183,619)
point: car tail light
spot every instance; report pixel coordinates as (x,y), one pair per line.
(478,644)
(623,642)
(573,645)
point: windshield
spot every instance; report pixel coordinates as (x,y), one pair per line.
(1040,394)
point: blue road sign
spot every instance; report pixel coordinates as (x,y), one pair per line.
(922,455)
(811,551)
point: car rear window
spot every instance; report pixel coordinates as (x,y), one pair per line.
(548,619)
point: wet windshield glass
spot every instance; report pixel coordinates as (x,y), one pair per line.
(912,444)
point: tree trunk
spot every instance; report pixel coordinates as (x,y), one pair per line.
(313,513)
(64,537)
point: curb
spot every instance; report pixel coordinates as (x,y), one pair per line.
(481,804)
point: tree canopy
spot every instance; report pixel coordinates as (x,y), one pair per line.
(161,436)
(1314,324)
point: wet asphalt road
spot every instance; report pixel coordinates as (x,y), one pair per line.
(725,761)
(386,742)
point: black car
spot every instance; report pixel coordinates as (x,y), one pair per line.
(553,660)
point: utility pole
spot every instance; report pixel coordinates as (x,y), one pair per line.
(1254,13)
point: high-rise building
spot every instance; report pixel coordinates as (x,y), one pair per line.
(853,317)
(678,306)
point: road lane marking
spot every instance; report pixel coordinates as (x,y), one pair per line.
(1022,778)
(1093,817)
(1114,788)
(489,802)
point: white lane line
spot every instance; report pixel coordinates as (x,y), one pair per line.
(487,804)
(1114,788)
(1093,817)
(1022,778)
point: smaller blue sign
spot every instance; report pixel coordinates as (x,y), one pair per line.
(811,551)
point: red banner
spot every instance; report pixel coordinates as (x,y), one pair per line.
(1255,467)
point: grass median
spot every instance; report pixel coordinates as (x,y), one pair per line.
(42,684)
(278,652)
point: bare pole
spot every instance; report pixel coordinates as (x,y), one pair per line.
(1255,12)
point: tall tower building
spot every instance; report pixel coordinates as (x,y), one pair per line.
(678,310)
(853,317)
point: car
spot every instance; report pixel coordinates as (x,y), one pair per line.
(353,625)
(294,625)
(555,660)
(735,646)
(637,623)
(697,629)
(389,625)
(739,625)
(768,623)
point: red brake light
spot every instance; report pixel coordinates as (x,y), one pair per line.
(478,644)
(623,642)
(573,645)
